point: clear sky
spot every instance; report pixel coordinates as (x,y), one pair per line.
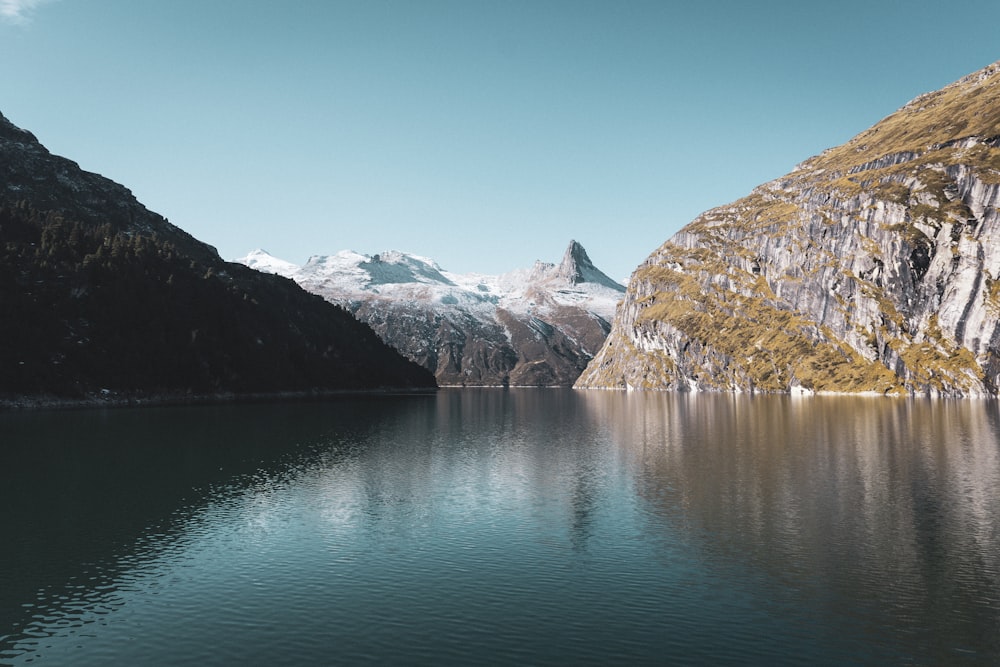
(485,135)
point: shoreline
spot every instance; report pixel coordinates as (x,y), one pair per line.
(800,393)
(112,399)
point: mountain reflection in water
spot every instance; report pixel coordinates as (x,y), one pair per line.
(542,526)
(864,507)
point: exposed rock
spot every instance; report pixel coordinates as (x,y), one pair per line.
(534,327)
(873,267)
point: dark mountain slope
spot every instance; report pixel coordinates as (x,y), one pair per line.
(102,298)
(30,173)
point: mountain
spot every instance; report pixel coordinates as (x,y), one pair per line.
(873,267)
(103,299)
(532,327)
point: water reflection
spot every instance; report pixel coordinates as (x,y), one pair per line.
(93,502)
(538,526)
(885,512)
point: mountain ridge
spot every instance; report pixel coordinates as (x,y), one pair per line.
(29,172)
(535,326)
(105,301)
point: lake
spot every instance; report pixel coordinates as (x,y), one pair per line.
(504,527)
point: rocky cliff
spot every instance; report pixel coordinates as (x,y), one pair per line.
(873,267)
(104,300)
(532,327)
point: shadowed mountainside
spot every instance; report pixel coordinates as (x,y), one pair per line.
(105,300)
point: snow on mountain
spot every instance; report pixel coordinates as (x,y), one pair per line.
(529,326)
(393,275)
(266,263)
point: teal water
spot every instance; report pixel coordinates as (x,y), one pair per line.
(504,527)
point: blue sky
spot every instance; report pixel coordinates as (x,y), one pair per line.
(483,134)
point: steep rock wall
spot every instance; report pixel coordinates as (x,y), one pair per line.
(873,267)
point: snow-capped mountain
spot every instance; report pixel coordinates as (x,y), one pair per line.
(537,326)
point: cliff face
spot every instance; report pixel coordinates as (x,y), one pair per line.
(874,267)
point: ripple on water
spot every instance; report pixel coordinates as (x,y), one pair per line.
(554,532)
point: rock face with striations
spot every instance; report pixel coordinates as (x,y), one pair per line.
(532,327)
(873,267)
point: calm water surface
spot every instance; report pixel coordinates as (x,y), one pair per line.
(505,527)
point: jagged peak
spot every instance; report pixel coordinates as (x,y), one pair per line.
(575,256)
(576,267)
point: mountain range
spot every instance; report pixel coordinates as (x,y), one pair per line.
(872,267)
(106,301)
(530,327)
